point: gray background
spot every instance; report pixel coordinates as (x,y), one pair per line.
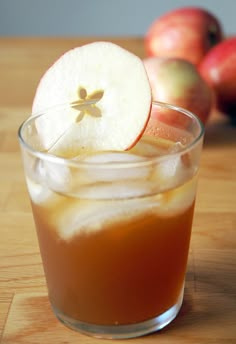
(98,17)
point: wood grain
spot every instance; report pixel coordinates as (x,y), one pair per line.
(209,311)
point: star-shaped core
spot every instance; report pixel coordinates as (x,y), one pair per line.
(87,104)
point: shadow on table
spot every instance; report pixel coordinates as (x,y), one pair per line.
(208,314)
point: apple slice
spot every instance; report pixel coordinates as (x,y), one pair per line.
(108,99)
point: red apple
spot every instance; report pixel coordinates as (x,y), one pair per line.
(178,82)
(219,70)
(187,32)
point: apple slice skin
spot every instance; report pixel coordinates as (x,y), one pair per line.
(124,104)
(219,69)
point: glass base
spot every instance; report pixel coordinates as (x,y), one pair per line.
(122,331)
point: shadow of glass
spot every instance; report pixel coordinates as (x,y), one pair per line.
(212,302)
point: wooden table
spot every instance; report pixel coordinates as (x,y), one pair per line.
(208,314)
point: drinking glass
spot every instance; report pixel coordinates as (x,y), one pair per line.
(114,227)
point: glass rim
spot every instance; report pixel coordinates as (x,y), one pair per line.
(44,155)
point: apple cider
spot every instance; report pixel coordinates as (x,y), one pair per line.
(115,250)
(127,272)
(114,226)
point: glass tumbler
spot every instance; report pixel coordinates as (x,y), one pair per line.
(114,227)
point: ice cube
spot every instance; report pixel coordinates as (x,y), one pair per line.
(168,172)
(57,176)
(115,190)
(171,167)
(88,217)
(150,147)
(173,170)
(176,147)
(44,175)
(113,167)
(113,157)
(39,193)
(176,201)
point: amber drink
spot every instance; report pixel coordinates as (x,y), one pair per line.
(114,227)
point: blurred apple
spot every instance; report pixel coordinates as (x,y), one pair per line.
(219,70)
(187,32)
(178,82)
